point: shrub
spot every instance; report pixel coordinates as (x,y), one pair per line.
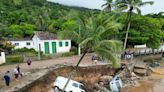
(7,46)
(75,50)
(25,50)
(14,59)
(45,57)
(67,54)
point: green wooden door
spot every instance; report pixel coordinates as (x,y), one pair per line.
(53,47)
(46,45)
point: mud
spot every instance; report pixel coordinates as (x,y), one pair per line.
(86,75)
(154,83)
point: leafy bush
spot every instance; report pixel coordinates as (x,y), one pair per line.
(45,57)
(74,50)
(24,50)
(67,54)
(14,59)
(7,46)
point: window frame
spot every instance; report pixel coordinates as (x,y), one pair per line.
(75,85)
(66,43)
(16,44)
(28,43)
(60,44)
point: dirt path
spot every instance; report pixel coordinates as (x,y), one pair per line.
(38,64)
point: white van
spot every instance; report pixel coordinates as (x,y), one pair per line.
(73,86)
(116,84)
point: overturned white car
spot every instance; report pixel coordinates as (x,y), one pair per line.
(73,86)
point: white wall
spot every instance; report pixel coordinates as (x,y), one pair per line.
(64,48)
(58,49)
(2,58)
(23,44)
(36,42)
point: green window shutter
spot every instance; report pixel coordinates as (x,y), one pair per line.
(60,44)
(66,43)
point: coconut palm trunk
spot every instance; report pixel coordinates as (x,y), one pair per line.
(73,71)
(126,37)
(128,27)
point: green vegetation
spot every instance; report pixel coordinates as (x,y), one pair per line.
(24,50)
(131,5)
(74,50)
(67,54)
(92,30)
(19,18)
(143,30)
(12,59)
(97,34)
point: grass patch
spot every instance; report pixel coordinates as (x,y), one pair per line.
(67,54)
(13,59)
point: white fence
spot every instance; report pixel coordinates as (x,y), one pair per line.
(2,58)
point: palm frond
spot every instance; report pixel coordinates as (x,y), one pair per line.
(138,10)
(112,45)
(109,56)
(85,41)
(145,3)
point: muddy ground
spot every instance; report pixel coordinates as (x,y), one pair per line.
(152,83)
(86,75)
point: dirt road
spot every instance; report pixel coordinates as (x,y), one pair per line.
(38,64)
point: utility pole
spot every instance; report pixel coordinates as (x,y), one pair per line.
(38,48)
(79,48)
(39,52)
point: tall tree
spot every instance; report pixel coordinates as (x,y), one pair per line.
(43,17)
(130,5)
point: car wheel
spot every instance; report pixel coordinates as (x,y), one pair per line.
(56,89)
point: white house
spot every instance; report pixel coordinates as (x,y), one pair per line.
(21,43)
(45,42)
(2,58)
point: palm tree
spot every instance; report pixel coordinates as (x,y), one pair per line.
(93,37)
(43,17)
(108,5)
(130,5)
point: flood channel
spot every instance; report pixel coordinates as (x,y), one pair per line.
(154,83)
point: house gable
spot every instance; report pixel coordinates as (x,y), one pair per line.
(45,35)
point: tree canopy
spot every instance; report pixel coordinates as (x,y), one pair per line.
(20,18)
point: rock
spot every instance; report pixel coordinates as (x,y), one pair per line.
(105,79)
(136,84)
(133,74)
(141,71)
(100,88)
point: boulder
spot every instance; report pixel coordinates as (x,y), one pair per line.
(106,79)
(140,71)
(133,74)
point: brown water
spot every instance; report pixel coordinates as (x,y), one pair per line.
(155,83)
(148,86)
